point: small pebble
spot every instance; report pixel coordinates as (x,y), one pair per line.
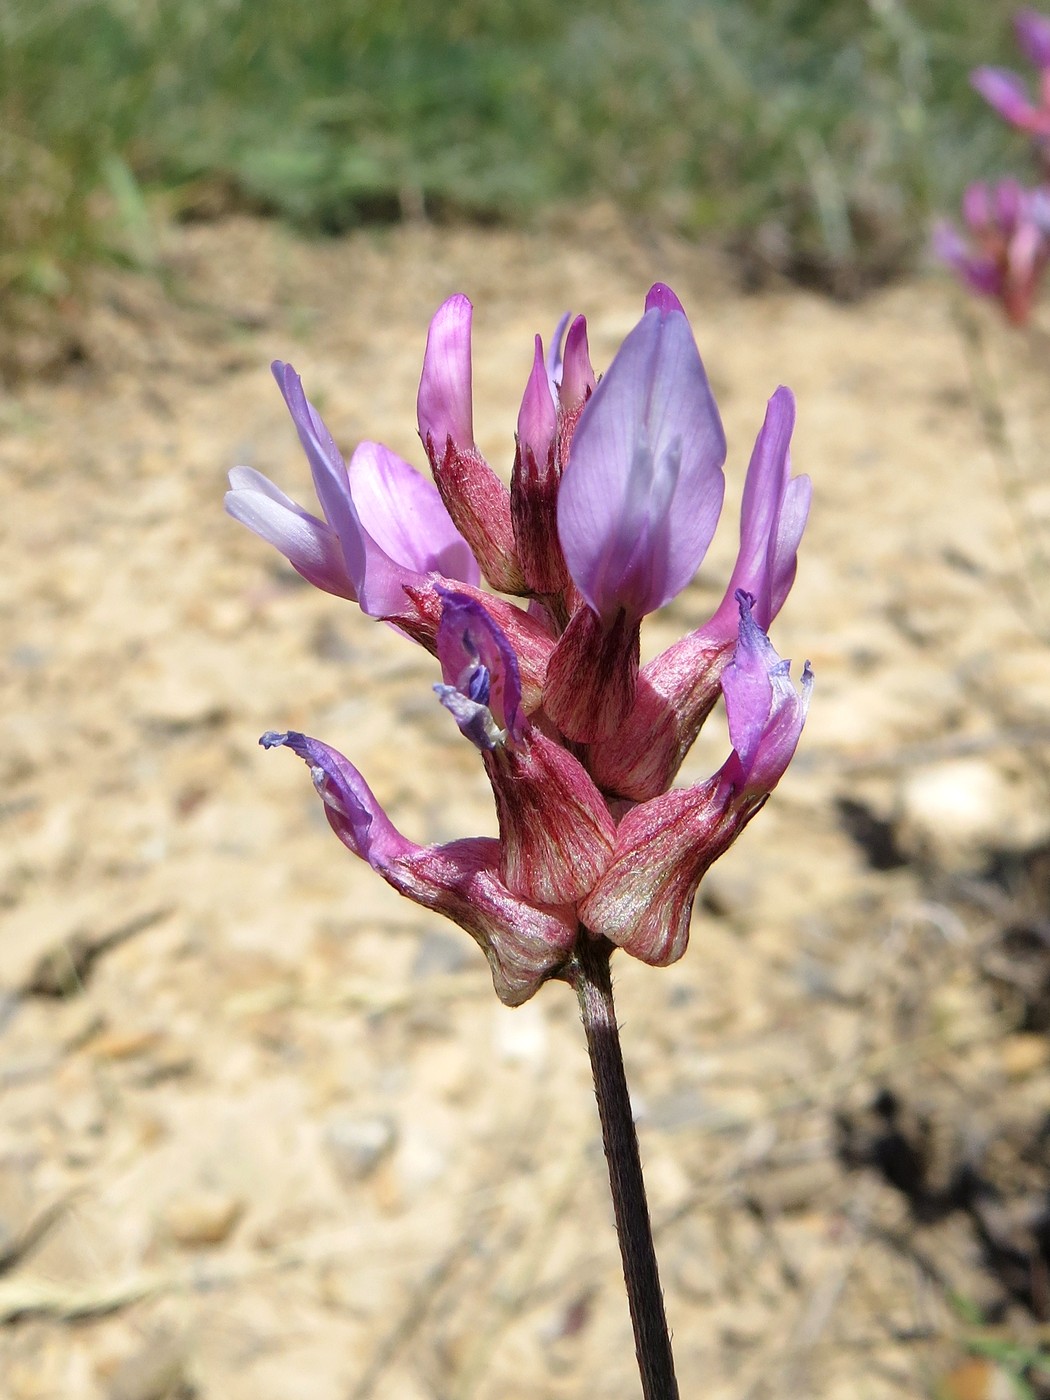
(357,1145)
(1022,1055)
(202,1217)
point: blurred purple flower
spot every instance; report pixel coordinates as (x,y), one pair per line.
(1033,35)
(1008,93)
(1008,247)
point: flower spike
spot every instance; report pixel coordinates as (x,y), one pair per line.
(616,489)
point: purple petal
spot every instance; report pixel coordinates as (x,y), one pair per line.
(794,513)
(444,405)
(1033,35)
(977,206)
(537,417)
(467,639)
(642,491)
(765,492)
(310,546)
(979,273)
(326,463)
(949,245)
(577,381)
(1006,93)
(1039,209)
(352,810)
(1009,202)
(764,712)
(554,355)
(474,718)
(404,515)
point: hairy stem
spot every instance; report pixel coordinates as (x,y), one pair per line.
(589,975)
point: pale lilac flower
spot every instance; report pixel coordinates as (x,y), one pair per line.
(677,689)
(1033,35)
(642,491)
(1008,94)
(639,501)
(524,945)
(665,846)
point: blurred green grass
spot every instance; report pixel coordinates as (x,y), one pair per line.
(815,135)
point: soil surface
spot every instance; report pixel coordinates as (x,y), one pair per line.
(266,1131)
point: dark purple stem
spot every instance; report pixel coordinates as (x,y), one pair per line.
(589,975)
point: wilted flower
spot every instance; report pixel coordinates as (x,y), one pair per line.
(616,490)
(1009,246)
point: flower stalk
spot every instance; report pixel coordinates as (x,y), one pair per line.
(589,974)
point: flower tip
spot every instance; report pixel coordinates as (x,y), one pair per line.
(443,404)
(661,298)
(285,375)
(554,354)
(292,739)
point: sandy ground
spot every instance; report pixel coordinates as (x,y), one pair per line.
(265,1131)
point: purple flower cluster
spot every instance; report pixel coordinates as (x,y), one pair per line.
(1008,245)
(616,491)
